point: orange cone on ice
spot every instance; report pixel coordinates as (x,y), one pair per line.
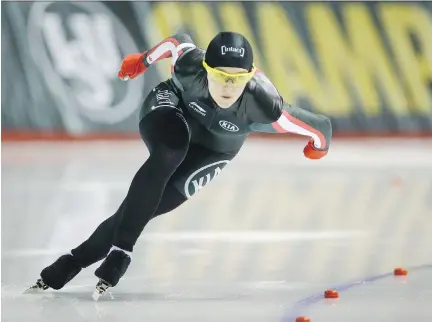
(331,294)
(303,319)
(400,271)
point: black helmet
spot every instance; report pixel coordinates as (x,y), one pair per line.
(229,49)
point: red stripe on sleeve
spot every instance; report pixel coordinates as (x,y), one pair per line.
(167,53)
(278,128)
(306,127)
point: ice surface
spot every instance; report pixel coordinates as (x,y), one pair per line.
(257,244)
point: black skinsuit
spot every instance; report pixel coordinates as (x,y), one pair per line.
(191,140)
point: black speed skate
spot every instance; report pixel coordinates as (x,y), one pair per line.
(57,275)
(111,271)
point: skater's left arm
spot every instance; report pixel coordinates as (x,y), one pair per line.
(296,120)
(277,116)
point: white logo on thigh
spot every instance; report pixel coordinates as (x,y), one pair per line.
(202,177)
(228,126)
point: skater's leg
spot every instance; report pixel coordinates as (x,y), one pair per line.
(171,200)
(167,137)
(67,266)
(166,134)
(97,246)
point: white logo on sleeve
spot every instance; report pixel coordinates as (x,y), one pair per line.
(226,49)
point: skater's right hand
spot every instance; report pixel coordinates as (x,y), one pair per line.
(132,66)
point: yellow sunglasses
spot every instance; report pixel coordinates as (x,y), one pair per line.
(223,77)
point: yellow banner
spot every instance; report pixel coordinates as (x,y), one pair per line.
(344,59)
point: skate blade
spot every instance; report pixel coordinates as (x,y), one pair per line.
(101,288)
(39,287)
(34,290)
(96,295)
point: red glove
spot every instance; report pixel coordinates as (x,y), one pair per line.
(311,152)
(132,66)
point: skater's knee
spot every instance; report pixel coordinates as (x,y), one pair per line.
(167,137)
(175,144)
(168,157)
(165,130)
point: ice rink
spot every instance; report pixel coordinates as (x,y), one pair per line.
(261,243)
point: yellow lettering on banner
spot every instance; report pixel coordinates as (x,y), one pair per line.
(234,18)
(167,20)
(359,62)
(371,56)
(201,20)
(288,64)
(331,52)
(399,21)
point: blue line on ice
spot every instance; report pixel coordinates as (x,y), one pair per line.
(300,307)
